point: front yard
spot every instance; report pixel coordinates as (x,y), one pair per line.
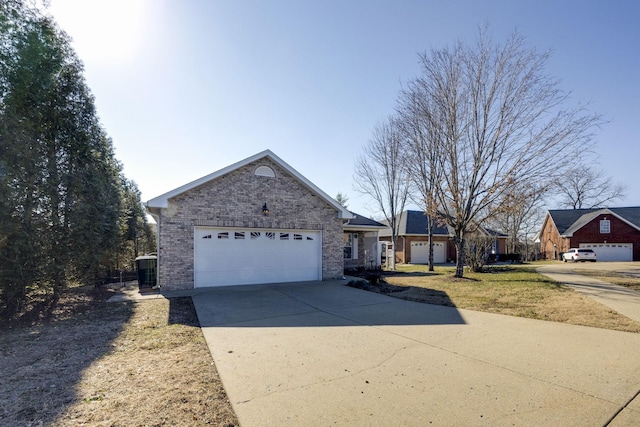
(146,363)
(138,364)
(516,290)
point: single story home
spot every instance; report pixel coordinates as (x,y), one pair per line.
(361,247)
(255,221)
(613,233)
(412,245)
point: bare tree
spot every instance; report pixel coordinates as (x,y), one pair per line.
(587,187)
(519,213)
(380,173)
(498,122)
(421,153)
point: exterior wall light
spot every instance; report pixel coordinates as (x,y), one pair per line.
(265,210)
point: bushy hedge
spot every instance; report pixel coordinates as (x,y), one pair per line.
(493,258)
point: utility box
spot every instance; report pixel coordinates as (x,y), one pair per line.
(146,267)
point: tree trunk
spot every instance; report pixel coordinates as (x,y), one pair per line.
(430,244)
(458,239)
(393,252)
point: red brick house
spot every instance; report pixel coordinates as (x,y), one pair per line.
(613,233)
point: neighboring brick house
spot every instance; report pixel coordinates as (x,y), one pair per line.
(361,247)
(613,233)
(412,245)
(256,221)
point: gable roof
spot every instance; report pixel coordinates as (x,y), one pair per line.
(361,223)
(568,221)
(162,201)
(414,223)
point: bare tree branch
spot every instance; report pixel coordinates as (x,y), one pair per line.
(585,187)
(497,122)
(380,173)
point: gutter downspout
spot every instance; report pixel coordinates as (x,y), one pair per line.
(156,218)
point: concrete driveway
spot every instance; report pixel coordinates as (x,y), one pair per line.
(326,354)
(623,300)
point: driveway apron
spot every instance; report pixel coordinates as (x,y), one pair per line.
(322,353)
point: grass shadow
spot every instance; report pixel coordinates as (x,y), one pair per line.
(182,312)
(42,357)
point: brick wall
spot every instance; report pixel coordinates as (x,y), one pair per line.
(621,232)
(236,200)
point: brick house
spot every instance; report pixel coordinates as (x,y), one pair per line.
(412,245)
(256,221)
(613,233)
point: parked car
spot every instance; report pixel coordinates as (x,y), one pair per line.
(579,255)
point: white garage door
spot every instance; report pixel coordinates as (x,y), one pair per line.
(611,251)
(225,256)
(420,252)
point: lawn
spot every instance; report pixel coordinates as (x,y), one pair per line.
(626,280)
(512,290)
(139,364)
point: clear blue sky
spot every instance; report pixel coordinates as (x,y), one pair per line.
(186,87)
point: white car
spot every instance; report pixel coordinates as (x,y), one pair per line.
(579,255)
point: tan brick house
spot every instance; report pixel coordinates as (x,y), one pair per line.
(256,221)
(412,245)
(613,233)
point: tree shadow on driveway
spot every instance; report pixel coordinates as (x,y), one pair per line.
(313,304)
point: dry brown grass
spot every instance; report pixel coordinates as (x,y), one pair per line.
(516,291)
(630,281)
(133,364)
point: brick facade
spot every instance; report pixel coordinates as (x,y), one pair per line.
(620,232)
(551,244)
(235,200)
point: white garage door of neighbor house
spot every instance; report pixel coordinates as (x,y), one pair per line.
(420,252)
(611,251)
(238,256)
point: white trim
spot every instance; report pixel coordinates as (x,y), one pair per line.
(588,217)
(162,201)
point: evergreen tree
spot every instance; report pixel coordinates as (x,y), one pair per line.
(61,188)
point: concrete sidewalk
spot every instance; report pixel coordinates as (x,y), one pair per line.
(623,300)
(326,354)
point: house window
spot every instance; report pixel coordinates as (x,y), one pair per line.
(350,246)
(605,226)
